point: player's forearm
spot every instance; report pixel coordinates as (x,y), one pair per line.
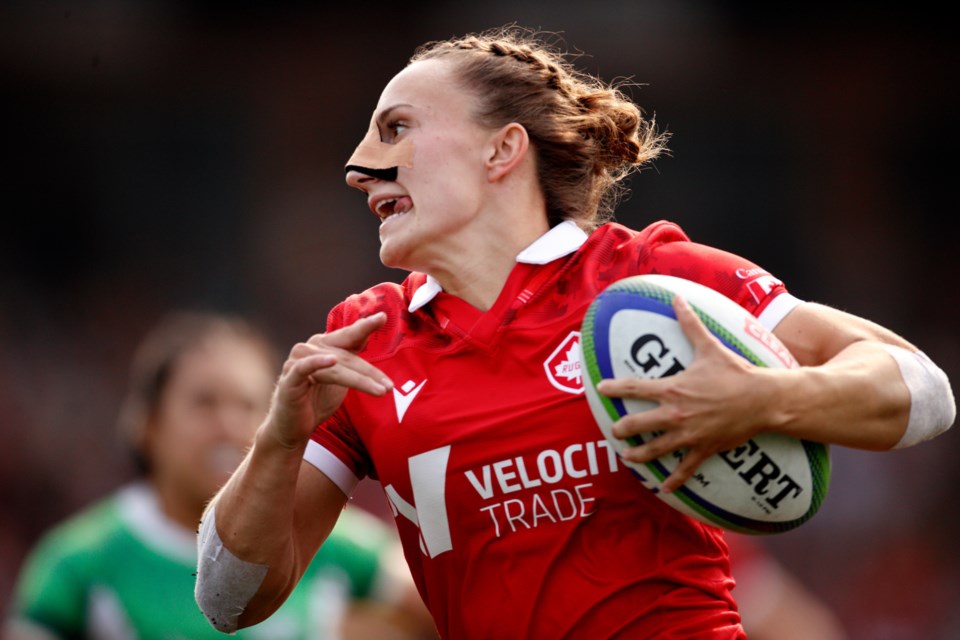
(255,507)
(252,545)
(858,398)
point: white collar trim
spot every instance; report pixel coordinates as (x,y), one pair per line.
(139,507)
(561,240)
(424,294)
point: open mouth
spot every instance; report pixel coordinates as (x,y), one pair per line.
(390,207)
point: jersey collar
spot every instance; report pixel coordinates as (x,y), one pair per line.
(560,241)
(139,507)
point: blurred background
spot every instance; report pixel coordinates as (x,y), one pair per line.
(161,154)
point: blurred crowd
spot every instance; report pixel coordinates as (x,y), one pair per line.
(166,155)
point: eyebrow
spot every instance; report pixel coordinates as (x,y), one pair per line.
(385,114)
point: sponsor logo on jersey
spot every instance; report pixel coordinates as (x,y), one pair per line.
(759,282)
(404,396)
(517,493)
(563,366)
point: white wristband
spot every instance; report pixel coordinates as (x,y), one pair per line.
(932,406)
(225,583)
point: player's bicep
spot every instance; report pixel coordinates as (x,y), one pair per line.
(815,333)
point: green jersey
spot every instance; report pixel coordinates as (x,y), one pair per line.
(121,570)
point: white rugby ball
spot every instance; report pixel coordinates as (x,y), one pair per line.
(773,482)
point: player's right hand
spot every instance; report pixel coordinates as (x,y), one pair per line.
(315,378)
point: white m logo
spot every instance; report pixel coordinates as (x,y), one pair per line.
(428,478)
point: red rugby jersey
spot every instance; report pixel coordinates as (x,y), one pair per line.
(516,517)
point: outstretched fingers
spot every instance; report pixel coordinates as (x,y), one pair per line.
(343,369)
(317,376)
(677,420)
(688,466)
(667,443)
(696,332)
(331,359)
(354,336)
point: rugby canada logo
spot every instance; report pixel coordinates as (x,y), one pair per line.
(563,365)
(761,284)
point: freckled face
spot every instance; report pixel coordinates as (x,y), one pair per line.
(428,210)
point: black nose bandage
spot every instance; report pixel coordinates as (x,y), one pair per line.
(379,159)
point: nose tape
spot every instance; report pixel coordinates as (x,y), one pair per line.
(379,159)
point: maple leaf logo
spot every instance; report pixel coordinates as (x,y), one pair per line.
(569,368)
(563,366)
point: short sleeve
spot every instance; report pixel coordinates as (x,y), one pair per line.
(667,250)
(51,591)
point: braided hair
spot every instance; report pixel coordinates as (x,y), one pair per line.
(588,136)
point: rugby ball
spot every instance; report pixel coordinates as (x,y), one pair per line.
(772,483)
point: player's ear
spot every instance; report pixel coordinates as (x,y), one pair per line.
(508,147)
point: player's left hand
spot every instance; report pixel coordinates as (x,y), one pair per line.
(716,404)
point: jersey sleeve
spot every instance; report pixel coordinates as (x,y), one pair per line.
(335,448)
(51,590)
(667,250)
(337,451)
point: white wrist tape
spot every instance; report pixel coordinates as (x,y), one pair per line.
(932,406)
(225,583)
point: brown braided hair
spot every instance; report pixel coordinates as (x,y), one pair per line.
(587,135)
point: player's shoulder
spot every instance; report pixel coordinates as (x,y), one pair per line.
(390,297)
(614,250)
(663,247)
(80,538)
(90,525)
(617,235)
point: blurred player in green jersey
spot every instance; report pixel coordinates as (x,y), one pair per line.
(125,568)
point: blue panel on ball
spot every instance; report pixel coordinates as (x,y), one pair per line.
(608,304)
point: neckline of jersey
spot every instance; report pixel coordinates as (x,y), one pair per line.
(481,328)
(558,242)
